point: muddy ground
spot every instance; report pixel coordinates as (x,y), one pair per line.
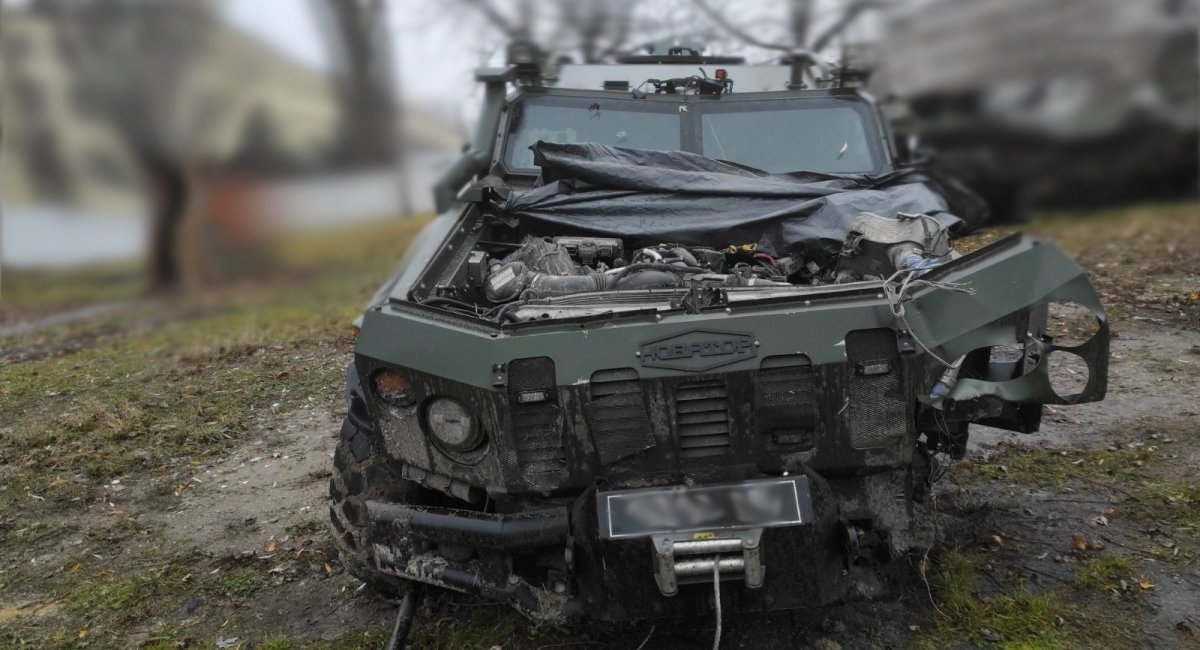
(184,506)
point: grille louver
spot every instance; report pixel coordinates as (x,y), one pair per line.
(702,418)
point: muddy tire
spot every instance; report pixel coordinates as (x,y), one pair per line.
(361,473)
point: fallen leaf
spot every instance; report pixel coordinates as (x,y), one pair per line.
(1080,542)
(328,569)
(1145,583)
(272,545)
(71,570)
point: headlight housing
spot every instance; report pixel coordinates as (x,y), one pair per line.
(451,425)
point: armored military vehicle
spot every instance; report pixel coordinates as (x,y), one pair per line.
(683,323)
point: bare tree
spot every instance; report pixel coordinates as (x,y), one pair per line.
(371,113)
(593,29)
(800,22)
(134,64)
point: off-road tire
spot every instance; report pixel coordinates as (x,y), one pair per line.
(361,473)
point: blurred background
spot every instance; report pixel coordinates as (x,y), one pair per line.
(167,146)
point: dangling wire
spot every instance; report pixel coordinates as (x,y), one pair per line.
(896,289)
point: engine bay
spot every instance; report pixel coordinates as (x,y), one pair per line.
(508,275)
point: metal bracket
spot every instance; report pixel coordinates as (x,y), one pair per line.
(685,558)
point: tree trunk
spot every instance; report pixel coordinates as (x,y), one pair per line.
(168,192)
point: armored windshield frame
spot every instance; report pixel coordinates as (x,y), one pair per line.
(878,136)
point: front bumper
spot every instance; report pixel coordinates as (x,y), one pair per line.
(551,562)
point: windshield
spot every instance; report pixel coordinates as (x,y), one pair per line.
(791,139)
(604,122)
(836,135)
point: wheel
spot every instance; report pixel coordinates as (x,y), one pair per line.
(361,473)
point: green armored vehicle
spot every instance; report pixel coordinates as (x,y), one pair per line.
(683,323)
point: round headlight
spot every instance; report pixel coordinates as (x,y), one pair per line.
(394,388)
(452,425)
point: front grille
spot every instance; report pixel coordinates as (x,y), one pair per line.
(877,410)
(702,418)
(785,402)
(537,427)
(616,412)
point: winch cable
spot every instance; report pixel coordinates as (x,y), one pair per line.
(896,289)
(404,616)
(717,599)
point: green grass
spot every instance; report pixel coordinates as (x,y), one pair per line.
(123,598)
(349,640)
(240,584)
(1054,467)
(1022,618)
(92,283)
(1106,571)
(1016,615)
(157,391)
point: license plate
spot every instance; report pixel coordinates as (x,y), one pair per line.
(762,503)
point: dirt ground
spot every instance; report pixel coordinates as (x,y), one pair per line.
(1083,535)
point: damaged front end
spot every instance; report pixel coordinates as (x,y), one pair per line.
(655,371)
(843,394)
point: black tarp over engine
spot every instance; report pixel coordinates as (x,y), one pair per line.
(686,198)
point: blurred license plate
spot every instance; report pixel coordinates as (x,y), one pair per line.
(770,502)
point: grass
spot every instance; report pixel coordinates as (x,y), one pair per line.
(240,584)
(183,380)
(1106,571)
(1118,464)
(1145,260)
(1014,615)
(350,640)
(64,288)
(111,598)
(1153,485)
(147,390)
(1014,618)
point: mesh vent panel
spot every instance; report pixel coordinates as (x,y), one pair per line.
(786,401)
(877,413)
(537,428)
(617,414)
